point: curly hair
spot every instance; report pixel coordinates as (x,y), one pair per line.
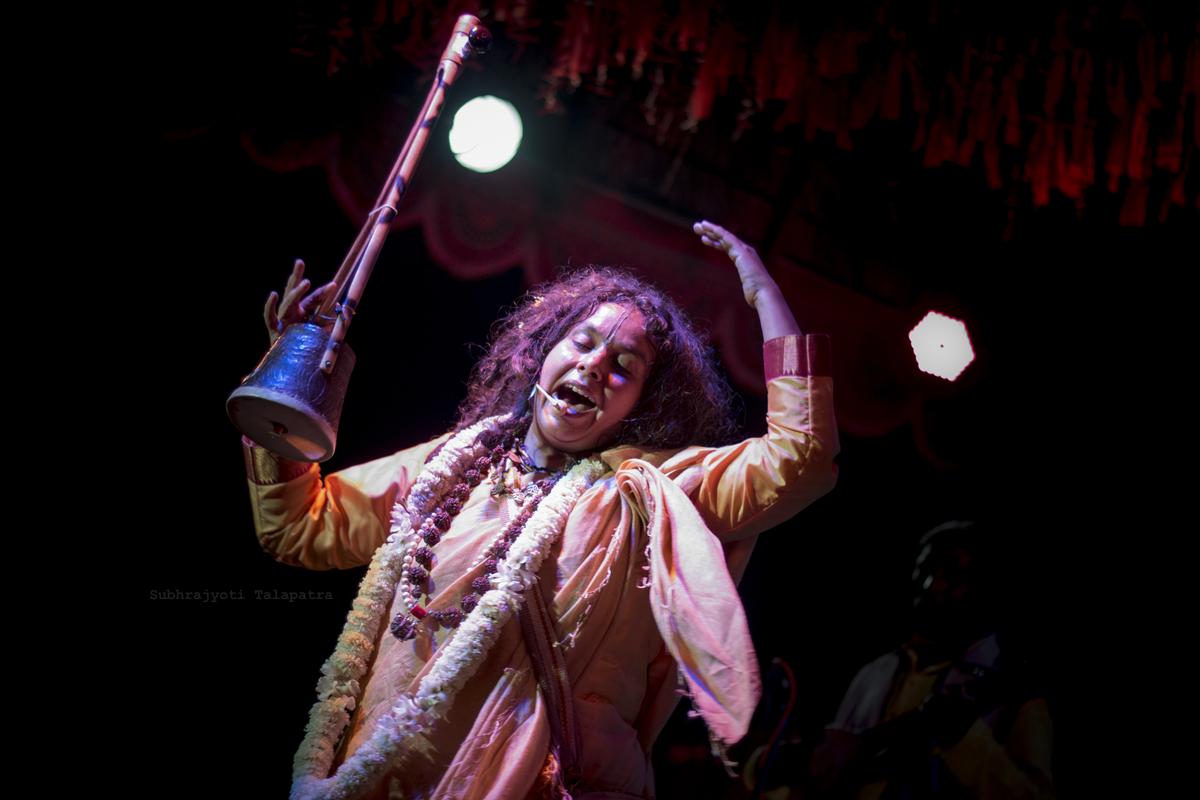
(684,401)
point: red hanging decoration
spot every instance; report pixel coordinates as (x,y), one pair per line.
(1118,104)
(979,113)
(638,20)
(893,83)
(1078,172)
(724,59)
(854,71)
(1139,137)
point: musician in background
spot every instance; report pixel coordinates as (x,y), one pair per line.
(596,440)
(947,714)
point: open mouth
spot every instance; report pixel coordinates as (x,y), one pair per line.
(576,403)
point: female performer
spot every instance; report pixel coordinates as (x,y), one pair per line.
(545,577)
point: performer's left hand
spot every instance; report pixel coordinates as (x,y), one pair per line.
(760,289)
(755,278)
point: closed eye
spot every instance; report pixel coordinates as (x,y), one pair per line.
(583,347)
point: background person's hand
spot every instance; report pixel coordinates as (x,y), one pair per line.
(295,306)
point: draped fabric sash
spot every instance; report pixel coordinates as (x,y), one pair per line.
(694,602)
(537,628)
(696,609)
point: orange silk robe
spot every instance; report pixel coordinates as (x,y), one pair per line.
(641,586)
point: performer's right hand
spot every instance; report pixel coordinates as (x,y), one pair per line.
(296,307)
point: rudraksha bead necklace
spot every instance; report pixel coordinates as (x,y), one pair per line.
(418,561)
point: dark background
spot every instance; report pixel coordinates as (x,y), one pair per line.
(1044,434)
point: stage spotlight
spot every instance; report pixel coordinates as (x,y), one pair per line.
(485,134)
(941,345)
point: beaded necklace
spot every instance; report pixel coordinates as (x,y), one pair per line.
(403,730)
(506,449)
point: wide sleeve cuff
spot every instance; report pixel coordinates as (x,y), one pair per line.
(265,468)
(797,354)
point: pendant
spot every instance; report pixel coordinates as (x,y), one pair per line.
(521,495)
(404,627)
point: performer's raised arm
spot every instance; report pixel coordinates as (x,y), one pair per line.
(748,487)
(301,519)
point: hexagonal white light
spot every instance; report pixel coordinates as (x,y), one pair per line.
(485,134)
(941,345)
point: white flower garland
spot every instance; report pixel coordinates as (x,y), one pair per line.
(402,731)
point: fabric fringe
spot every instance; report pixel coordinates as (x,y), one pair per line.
(718,748)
